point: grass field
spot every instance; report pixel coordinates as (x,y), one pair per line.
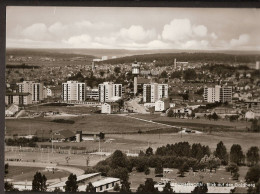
(64,109)
(221,176)
(22,173)
(90,123)
(198,123)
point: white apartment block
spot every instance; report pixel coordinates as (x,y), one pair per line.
(109,92)
(154,91)
(218,94)
(36,89)
(73,91)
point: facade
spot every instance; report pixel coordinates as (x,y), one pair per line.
(109,92)
(18,98)
(73,91)
(154,91)
(161,105)
(106,184)
(92,93)
(36,89)
(109,108)
(218,94)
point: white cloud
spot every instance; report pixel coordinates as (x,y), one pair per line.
(57,29)
(177,30)
(200,30)
(243,39)
(213,35)
(195,44)
(137,33)
(79,41)
(37,31)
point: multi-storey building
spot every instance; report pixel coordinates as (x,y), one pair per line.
(135,68)
(73,91)
(218,94)
(35,89)
(18,98)
(109,92)
(92,93)
(154,91)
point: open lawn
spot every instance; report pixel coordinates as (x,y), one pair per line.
(246,140)
(199,124)
(89,123)
(22,173)
(64,109)
(221,176)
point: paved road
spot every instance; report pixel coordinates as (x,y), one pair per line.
(133,105)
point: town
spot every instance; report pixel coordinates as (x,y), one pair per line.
(114,123)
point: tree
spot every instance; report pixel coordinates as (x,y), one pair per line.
(121,173)
(215,117)
(255,126)
(119,159)
(39,182)
(189,74)
(90,188)
(185,96)
(252,156)
(6,168)
(117,70)
(211,162)
(232,168)
(147,171)
(147,187)
(101,73)
(71,183)
(141,165)
(170,113)
(201,188)
(101,135)
(10,187)
(57,189)
(253,174)
(164,74)
(125,187)
(236,154)
(116,187)
(221,153)
(149,151)
(167,188)
(67,158)
(158,169)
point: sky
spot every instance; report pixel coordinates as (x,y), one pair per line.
(133,28)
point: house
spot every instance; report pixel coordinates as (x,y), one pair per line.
(11,110)
(161,105)
(110,108)
(183,110)
(252,114)
(64,135)
(82,181)
(106,184)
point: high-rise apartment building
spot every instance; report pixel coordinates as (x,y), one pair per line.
(154,91)
(109,92)
(73,91)
(218,94)
(35,89)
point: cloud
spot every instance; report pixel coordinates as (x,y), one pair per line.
(213,35)
(177,30)
(243,39)
(137,33)
(57,29)
(195,44)
(200,30)
(37,31)
(79,41)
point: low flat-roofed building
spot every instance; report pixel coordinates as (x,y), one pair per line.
(106,184)
(161,105)
(109,108)
(11,110)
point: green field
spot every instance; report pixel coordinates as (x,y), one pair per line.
(22,173)
(221,176)
(89,123)
(199,124)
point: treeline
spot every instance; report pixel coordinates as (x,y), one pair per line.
(24,142)
(22,66)
(165,59)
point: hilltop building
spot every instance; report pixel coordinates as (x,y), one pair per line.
(218,94)
(154,91)
(73,91)
(109,92)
